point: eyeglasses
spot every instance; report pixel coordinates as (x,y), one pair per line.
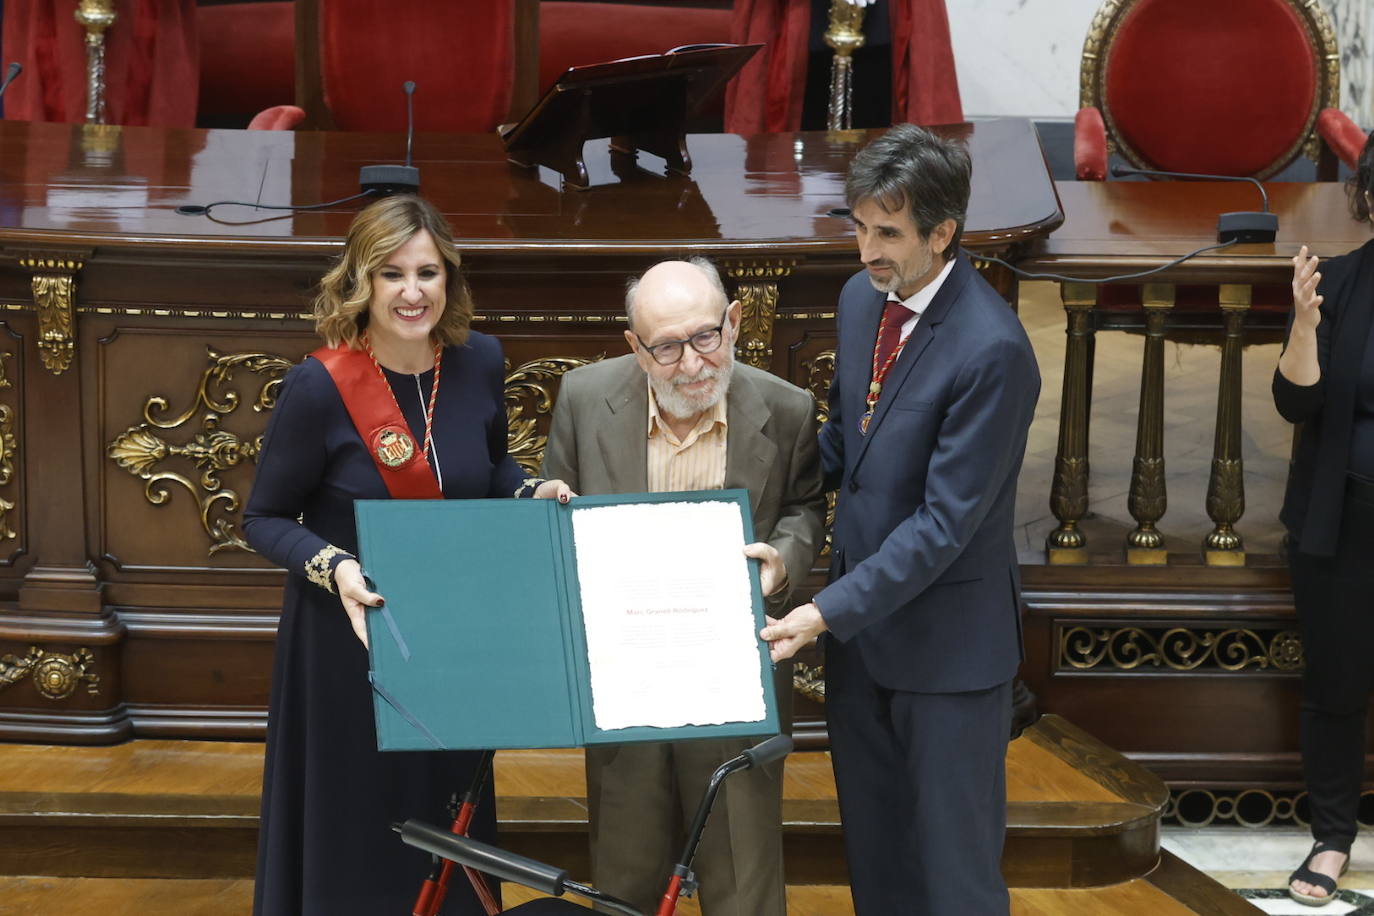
(670,352)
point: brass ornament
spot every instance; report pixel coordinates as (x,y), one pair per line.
(1223,546)
(9,446)
(54,292)
(1069,489)
(95,17)
(141,451)
(1242,807)
(144,311)
(809,681)
(529,396)
(1148,497)
(820,371)
(1180,649)
(845,35)
(757,290)
(56,676)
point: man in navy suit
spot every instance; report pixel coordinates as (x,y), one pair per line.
(935,386)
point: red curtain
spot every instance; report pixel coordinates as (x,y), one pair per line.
(152,62)
(767,95)
(925,89)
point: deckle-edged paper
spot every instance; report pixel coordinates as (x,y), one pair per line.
(668,612)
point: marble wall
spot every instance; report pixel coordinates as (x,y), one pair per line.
(1020,57)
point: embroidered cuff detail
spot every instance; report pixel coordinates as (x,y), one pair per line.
(526,489)
(319,569)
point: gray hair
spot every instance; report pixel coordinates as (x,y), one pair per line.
(911,166)
(708,270)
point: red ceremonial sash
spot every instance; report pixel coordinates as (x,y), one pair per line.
(379,422)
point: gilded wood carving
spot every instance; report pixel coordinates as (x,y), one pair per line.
(8,447)
(54,292)
(529,396)
(757,290)
(1129,648)
(56,676)
(141,450)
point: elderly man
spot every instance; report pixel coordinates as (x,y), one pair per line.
(679,414)
(935,386)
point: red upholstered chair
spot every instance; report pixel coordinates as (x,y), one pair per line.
(352,56)
(572,33)
(278,117)
(1231,87)
(247,60)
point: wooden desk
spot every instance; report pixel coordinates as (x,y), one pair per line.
(1121,226)
(140,351)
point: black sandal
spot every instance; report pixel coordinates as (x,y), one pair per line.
(1304,873)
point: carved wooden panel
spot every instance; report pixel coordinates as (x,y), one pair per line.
(183,413)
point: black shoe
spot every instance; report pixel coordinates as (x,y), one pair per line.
(1304,873)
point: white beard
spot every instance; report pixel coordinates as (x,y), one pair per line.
(680,405)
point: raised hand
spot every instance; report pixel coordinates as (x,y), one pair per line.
(1306,301)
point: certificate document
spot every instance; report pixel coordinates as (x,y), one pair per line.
(668,614)
(529,623)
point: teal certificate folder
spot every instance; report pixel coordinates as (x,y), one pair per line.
(483,641)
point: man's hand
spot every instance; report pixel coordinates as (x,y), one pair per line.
(799,628)
(772,574)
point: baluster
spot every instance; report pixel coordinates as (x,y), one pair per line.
(1069,491)
(1226,485)
(1149,496)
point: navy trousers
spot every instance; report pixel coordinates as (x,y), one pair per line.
(922,788)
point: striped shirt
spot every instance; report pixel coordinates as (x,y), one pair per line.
(694,463)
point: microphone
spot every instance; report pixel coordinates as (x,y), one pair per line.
(10,73)
(382,180)
(1241,226)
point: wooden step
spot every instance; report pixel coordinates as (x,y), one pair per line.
(1079,815)
(1173,889)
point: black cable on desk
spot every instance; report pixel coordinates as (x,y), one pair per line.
(1135,276)
(198,210)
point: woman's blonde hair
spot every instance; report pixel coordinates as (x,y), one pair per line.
(375,234)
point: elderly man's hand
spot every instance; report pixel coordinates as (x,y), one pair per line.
(799,628)
(772,574)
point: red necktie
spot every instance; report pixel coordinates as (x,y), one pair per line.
(895,314)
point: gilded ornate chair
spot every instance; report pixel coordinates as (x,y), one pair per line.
(1231,87)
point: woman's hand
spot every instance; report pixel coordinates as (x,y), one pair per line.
(1306,303)
(355,596)
(554,489)
(1299,362)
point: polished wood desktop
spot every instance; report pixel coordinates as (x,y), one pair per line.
(1116,227)
(141,350)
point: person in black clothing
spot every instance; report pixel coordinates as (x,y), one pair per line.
(1325,381)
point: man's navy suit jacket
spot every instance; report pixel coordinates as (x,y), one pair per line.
(923,571)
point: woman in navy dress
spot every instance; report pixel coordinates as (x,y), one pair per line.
(329,796)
